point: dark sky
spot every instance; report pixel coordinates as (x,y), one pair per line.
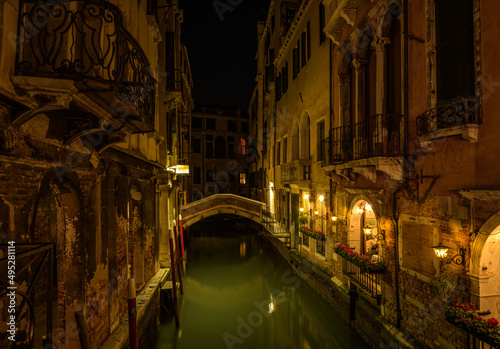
(222,52)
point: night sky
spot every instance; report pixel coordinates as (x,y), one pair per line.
(222,52)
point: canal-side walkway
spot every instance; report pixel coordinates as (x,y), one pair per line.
(148,310)
(368,323)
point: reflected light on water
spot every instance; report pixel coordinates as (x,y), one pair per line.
(271,305)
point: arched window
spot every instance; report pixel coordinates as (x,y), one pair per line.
(242,147)
(220,147)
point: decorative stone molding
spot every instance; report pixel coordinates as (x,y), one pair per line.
(349,14)
(367,172)
(335,36)
(379,43)
(487,195)
(468,132)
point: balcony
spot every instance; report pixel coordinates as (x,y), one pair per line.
(296,172)
(371,142)
(361,271)
(458,118)
(87,44)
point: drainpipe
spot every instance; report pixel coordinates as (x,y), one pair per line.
(405,169)
(396,234)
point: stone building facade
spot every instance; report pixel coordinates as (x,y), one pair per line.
(93,96)
(219,159)
(374,123)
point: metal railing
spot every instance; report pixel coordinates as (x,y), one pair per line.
(369,282)
(462,112)
(84,40)
(474,342)
(269,222)
(376,136)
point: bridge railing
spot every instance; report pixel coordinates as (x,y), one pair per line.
(272,226)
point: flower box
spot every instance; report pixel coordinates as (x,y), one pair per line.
(465,317)
(362,261)
(315,234)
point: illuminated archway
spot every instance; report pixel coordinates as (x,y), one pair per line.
(363,216)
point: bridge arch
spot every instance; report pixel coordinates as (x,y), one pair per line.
(222,204)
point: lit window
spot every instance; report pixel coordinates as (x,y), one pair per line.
(243,178)
(242,147)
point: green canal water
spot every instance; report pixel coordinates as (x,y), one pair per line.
(240,293)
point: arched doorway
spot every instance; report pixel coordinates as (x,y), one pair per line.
(135,236)
(489,274)
(57,219)
(364,229)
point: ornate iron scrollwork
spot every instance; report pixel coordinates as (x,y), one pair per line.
(462,112)
(85,40)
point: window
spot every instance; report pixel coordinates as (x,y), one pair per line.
(242,147)
(210,124)
(303,50)
(278,87)
(308,34)
(244,127)
(305,240)
(209,146)
(278,153)
(454,49)
(196,175)
(231,125)
(197,123)
(196,145)
(152,7)
(285,147)
(295,63)
(243,178)
(220,147)
(322,35)
(321,143)
(320,247)
(284,75)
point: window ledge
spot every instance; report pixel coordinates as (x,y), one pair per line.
(468,132)
(320,256)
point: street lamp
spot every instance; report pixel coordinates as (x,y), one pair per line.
(441,252)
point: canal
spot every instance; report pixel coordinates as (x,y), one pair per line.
(240,293)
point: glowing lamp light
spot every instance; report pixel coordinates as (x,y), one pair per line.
(316,213)
(301,209)
(306,196)
(271,184)
(321,198)
(334,218)
(367,230)
(441,251)
(271,307)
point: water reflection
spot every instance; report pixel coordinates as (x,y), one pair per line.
(239,293)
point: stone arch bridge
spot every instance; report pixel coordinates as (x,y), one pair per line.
(233,204)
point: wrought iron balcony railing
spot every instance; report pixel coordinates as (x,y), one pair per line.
(376,136)
(297,170)
(85,40)
(369,282)
(462,112)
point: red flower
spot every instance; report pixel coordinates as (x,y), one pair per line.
(479,318)
(492,322)
(462,319)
